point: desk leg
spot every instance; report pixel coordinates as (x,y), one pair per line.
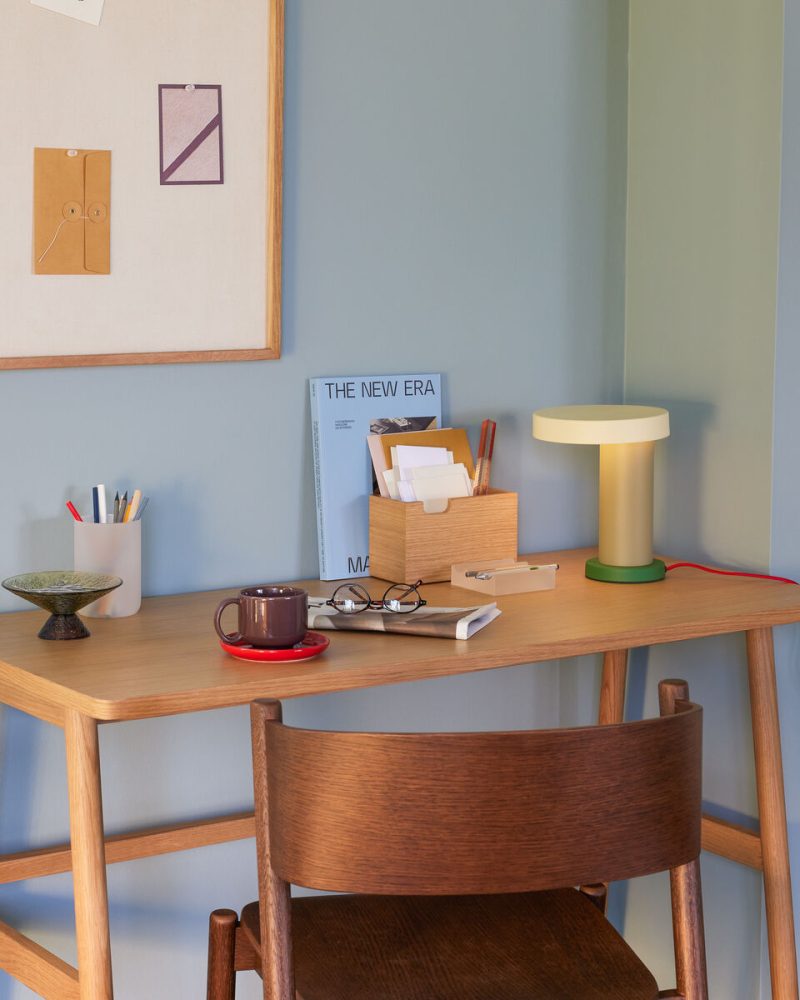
(772,814)
(612,709)
(612,688)
(88,857)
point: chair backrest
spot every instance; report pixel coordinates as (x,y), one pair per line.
(453,813)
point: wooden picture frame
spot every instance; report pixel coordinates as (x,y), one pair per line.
(271,349)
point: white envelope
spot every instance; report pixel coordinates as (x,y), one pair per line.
(432,471)
(447,486)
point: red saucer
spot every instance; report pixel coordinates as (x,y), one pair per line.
(313,644)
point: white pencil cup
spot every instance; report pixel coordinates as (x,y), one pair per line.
(114,549)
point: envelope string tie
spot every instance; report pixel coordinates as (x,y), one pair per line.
(55,235)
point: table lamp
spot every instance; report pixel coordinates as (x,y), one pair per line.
(627,436)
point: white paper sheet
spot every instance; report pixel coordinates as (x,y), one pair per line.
(408,456)
(406,492)
(89,11)
(391,484)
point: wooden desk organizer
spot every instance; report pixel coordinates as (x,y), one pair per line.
(408,543)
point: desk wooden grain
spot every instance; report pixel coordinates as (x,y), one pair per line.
(166,660)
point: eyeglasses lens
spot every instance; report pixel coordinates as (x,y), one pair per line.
(350,600)
(401,599)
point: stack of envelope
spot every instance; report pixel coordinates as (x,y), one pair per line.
(420,473)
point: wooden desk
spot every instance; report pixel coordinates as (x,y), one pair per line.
(166,660)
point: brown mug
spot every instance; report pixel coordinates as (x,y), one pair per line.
(272,617)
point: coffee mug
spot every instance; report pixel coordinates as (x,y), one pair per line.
(272,617)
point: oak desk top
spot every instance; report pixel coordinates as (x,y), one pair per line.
(167,660)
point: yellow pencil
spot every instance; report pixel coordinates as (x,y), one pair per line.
(133,506)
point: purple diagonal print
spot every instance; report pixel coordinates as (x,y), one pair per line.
(198,140)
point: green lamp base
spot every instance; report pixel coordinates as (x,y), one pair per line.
(596,570)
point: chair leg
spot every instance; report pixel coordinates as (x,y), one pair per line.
(687,927)
(597,893)
(221,951)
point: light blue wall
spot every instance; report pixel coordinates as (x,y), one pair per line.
(454,201)
(785,554)
(703,220)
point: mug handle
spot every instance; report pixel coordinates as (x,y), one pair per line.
(235,637)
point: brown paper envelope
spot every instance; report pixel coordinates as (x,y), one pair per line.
(97,228)
(65,189)
(453,438)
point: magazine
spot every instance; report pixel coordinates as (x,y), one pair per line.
(439,623)
(344,410)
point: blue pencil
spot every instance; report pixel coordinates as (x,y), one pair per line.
(96,504)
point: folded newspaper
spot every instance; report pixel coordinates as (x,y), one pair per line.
(441,623)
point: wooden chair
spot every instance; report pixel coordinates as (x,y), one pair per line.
(459,854)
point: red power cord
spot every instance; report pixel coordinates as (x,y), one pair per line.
(731,572)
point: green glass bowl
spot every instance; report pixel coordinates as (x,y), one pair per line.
(62,593)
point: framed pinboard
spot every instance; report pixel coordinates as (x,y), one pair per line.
(195,250)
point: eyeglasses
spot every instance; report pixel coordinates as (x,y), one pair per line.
(400,599)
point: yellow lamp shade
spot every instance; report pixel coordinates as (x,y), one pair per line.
(601,424)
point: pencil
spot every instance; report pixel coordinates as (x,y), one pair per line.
(138,515)
(73,510)
(133,506)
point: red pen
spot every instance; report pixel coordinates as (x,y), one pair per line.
(73,510)
(476,481)
(484,464)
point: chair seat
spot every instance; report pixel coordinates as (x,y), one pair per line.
(529,946)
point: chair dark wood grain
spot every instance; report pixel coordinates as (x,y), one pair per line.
(455,856)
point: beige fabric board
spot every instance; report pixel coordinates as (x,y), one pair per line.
(188,263)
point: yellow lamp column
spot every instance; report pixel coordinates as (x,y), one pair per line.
(626,504)
(627,436)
